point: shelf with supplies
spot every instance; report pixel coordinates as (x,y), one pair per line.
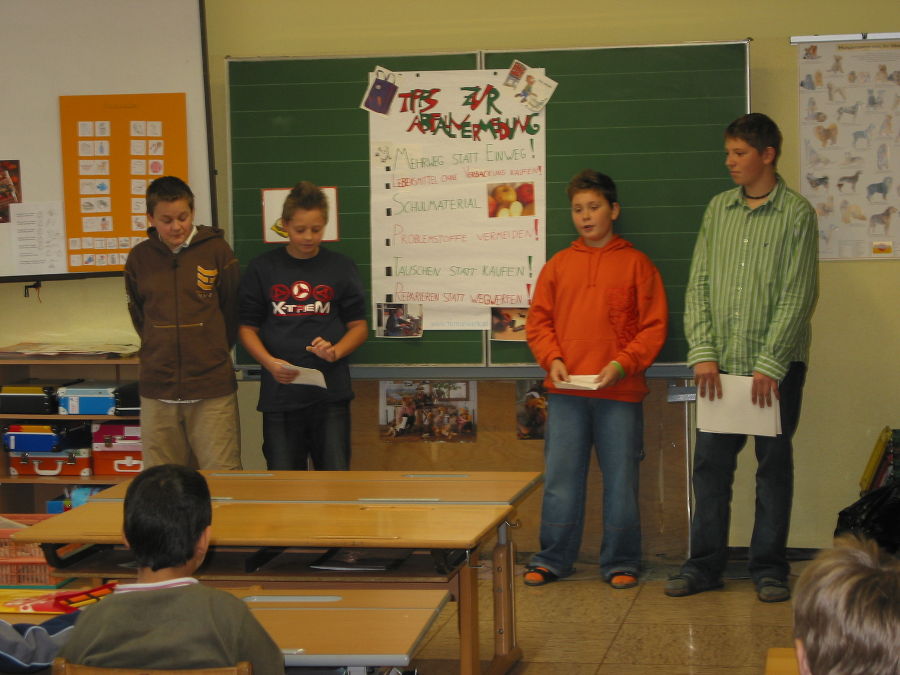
(34,493)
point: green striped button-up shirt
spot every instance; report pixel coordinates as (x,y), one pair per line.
(753,283)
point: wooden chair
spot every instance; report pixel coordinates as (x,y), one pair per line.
(63,667)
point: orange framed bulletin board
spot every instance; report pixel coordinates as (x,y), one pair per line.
(113,146)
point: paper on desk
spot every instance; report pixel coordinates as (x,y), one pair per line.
(578,382)
(735,412)
(309,376)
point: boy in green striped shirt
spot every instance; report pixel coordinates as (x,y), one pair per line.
(750,297)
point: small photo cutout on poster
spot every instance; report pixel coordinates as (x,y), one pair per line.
(155,147)
(138,167)
(156,167)
(138,128)
(395,320)
(85,148)
(102,128)
(428,410)
(138,186)
(531,409)
(138,146)
(154,128)
(101,148)
(510,199)
(508,323)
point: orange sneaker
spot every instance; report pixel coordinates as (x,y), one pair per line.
(623,580)
(538,576)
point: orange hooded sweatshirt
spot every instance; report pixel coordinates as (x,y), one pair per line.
(596,305)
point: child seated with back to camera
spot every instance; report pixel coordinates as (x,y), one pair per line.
(167,619)
(599,309)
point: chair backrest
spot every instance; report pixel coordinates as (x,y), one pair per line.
(63,667)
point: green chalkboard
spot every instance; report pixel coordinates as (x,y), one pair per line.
(651,117)
(299,119)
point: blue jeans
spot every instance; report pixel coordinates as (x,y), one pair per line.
(615,429)
(319,433)
(715,460)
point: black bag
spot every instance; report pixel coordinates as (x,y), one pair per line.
(875,515)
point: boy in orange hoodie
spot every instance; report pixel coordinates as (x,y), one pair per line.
(599,309)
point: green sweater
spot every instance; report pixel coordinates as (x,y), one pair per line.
(192,626)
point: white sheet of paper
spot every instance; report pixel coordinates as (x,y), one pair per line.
(309,376)
(735,413)
(578,382)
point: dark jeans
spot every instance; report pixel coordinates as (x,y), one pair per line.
(319,433)
(715,459)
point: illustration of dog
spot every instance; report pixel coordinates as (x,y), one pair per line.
(850,159)
(837,67)
(849,110)
(896,105)
(827,134)
(827,207)
(807,83)
(863,135)
(826,234)
(815,182)
(811,52)
(814,158)
(849,180)
(834,91)
(881,75)
(881,158)
(851,212)
(880,223)
(820,81)
(875,99)
(886,130)
(881,188)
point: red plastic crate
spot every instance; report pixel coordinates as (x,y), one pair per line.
(23,564)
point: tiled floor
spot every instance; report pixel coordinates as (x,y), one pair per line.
(581,626)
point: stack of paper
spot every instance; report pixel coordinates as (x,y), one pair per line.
(578,382)
(735,412)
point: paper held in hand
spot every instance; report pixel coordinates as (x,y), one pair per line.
(578,382)
(309,376)
(735,412)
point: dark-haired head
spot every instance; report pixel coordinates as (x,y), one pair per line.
(168,189)
(588,179)
(167,509)
(307,196)
(758,131)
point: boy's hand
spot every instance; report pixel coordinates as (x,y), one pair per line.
(709,385)
(323,349)
(558,371)
(764,387)
(281,372)
(609,375)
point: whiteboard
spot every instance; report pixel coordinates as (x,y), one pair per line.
(59,48)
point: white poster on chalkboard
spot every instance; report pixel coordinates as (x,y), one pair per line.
(458,197)
(849,103)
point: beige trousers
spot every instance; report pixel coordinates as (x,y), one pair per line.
(205,434)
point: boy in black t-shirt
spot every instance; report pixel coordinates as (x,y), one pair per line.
(303,305)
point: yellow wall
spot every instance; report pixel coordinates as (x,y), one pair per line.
(855,366)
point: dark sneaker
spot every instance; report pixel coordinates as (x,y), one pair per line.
(770,589)
(686,584)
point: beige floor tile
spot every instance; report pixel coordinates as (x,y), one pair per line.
(735,604)
(700,645)
(574,601)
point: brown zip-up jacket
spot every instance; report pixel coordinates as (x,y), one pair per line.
(184,307)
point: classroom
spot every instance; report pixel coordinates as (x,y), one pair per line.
(850,392)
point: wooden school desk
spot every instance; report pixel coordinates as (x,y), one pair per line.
(334,627)
(432,511)
(781,661)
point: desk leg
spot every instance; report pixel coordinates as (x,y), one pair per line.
(506,650)
(469,661)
